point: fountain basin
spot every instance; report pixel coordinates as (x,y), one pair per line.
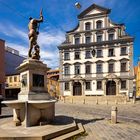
(32,112)
(42,104)
(16,104)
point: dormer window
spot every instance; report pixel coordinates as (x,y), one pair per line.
(88,39)
(77,55)
(111,34)
(99,36)
(88,26)
(77,38)
(99,24)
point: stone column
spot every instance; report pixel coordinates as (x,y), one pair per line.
(117,86)
(71,87)
(104,87)
(83,88)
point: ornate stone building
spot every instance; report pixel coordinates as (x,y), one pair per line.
(97,56)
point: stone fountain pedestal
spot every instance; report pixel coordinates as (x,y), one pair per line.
(34,105)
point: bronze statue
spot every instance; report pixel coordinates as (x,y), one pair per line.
(33,27)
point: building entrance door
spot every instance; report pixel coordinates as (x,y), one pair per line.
(111,88)
(77,89)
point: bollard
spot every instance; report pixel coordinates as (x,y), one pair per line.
(72,100)
(84,101)
(114,111)
(97,101)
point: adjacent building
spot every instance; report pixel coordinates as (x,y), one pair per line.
(53,83)
(97,56)
(12,60)
(137,80)
(2,67)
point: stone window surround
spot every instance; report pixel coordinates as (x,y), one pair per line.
(77,65)
(109,52)
(99,22)
(122,54)
(97,56)
(88,24)
(68,69)
(86,54)
(126,84)
(65,55)
(97,85)
(125,68)
(87,64)
(100,67)
(77,55)
(67,86)
(86,85)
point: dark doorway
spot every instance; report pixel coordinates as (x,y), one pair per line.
(77,89)
(111,88)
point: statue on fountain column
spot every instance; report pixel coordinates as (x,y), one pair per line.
(33,27)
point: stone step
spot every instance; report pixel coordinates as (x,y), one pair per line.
(71,134)
(60,132)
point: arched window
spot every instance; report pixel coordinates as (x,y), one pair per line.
(99,24)
(87,26)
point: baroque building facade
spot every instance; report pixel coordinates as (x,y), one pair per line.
(96,57)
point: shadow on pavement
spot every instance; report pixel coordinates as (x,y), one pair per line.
(5,116)
(88,121)
(62,120)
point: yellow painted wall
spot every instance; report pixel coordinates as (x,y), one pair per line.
(138,81)
(13,81)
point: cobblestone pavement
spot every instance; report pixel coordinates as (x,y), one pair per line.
(96,121)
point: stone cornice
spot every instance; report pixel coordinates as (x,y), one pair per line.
(94,30)
(70,46)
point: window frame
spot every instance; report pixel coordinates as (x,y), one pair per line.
(76,70)
(87,70)
(97,64)
(99,56)
(111,54)
(121,52)
(88,85)
(99,22)
(66,71)
(97,38)
(66,86)
(89,41)
(109,36)
(88,26)
(75,55)
(86,56)
(66,58)
(123,88)
(122,67)
(97,86)
(110,71)
(75,40)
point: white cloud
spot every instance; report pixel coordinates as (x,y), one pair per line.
(48,42)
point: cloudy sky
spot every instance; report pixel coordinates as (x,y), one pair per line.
(60,16)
